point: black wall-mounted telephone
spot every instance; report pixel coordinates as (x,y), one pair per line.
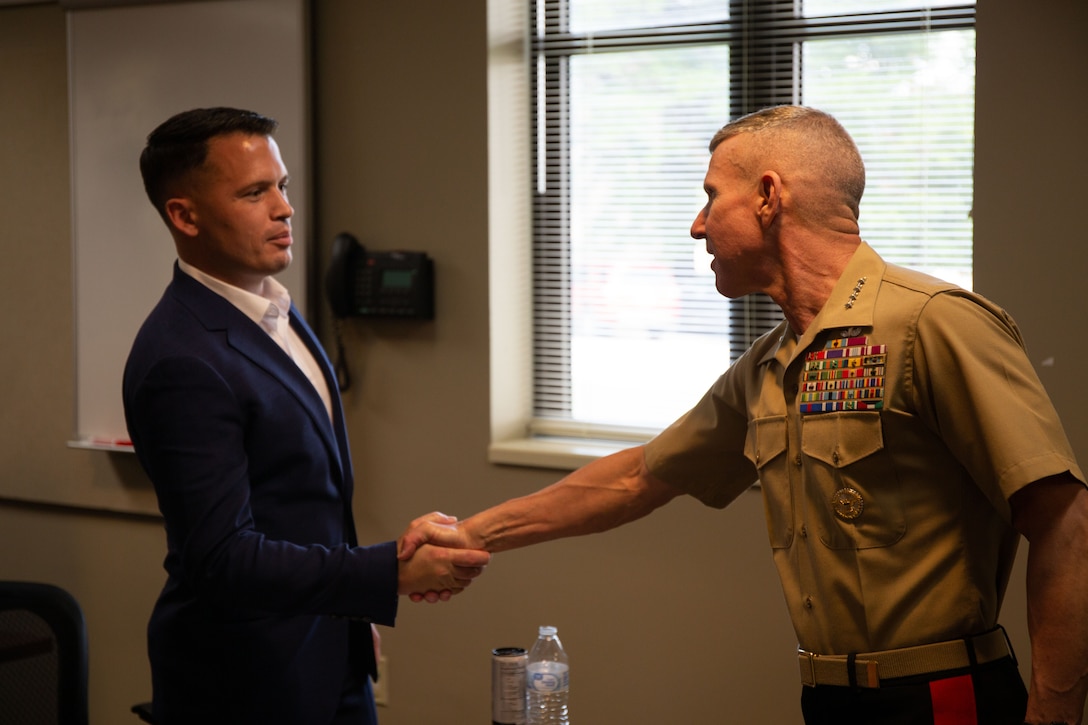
(379,284)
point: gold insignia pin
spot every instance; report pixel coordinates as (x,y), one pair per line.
(847,503)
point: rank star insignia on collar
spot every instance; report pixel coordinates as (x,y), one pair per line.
(855,293)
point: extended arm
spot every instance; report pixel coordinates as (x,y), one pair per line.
(1053,515)
(602,495)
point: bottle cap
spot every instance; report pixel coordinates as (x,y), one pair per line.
(548,631)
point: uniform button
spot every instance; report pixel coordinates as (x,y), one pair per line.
(835,457)
(808,602)
(804,532)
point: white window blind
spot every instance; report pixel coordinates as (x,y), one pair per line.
(628,330)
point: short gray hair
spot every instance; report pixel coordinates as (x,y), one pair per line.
(809,137)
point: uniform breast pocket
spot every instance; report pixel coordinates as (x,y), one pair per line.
(852,491)
(765,447)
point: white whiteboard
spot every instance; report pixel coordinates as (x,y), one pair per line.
(130,68)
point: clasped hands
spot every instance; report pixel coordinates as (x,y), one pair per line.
(436,559)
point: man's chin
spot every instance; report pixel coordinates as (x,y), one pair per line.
(282,262)
(726,292)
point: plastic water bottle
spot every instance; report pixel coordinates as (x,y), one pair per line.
(547,681)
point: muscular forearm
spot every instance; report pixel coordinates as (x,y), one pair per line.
(1057,584)
(1057,607)
(600,496)
(605,494)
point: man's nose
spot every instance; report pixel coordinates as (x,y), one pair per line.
(698,227)
(284,210)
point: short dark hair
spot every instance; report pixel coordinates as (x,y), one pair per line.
(179,145)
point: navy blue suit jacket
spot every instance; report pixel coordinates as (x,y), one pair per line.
(268,599)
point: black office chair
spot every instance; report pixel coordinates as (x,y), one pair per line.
(43,656)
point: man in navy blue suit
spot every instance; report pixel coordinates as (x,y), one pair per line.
(267,615)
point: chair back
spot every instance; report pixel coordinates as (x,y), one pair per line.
(43,656)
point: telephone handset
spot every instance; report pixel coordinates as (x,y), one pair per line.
(360,283)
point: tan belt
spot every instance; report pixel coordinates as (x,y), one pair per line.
(872,667)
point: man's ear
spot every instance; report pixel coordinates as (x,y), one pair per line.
(182,215)
(770,197)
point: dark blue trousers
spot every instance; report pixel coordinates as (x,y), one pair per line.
(356,704)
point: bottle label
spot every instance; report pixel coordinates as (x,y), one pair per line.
(554,677)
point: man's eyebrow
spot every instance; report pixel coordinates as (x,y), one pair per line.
(265,183)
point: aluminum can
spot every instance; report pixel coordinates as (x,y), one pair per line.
(508,685)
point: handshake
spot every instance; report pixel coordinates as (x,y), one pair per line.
(437,558)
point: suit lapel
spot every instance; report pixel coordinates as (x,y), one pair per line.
(339,426)
(249,339)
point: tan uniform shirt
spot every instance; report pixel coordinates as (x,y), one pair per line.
(887,441)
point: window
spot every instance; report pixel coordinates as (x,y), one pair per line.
(627,328)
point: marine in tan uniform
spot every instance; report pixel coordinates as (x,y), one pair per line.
(887,440)
(902,443)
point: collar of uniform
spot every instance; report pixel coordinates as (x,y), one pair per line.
(253,306)
(853,298)
(850,305)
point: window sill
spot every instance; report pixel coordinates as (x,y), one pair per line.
(553,452)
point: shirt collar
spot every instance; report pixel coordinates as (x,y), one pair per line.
(274,299)
(850,305)
(853,299)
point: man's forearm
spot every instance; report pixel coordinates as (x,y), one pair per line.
(1057,590)
(602,495)
(1057,607)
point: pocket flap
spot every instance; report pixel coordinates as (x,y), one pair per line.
(766,440)
(840,439)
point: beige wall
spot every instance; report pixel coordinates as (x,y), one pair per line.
(677,618)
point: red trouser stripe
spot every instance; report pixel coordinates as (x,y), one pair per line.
(953,701)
